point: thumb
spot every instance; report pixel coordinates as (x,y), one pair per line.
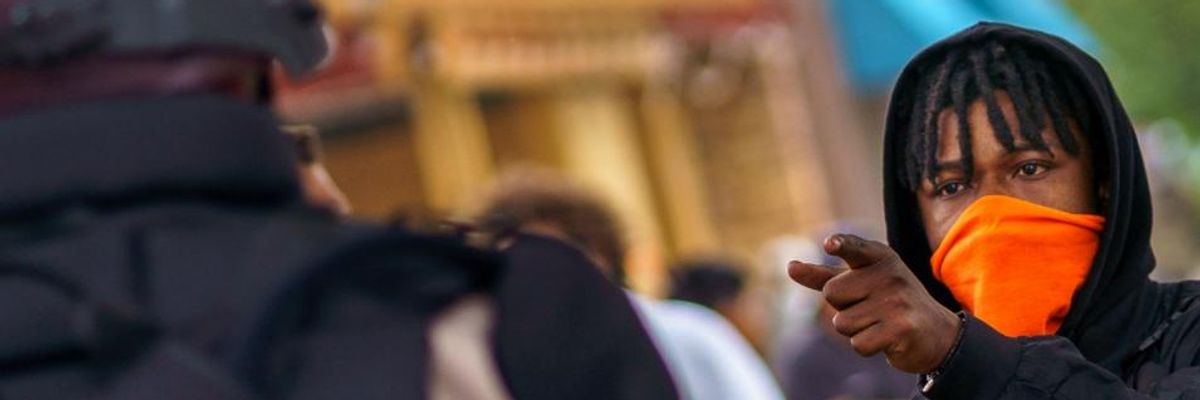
(812,276)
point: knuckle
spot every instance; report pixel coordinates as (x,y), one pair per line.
(898,349)
(901,305)
(902,327)
(834,287)
(831,295)
(860,346)
(895,280)
(895,304)
(843,324)
(888,258)
(830,288)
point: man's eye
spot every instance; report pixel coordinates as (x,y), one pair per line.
(950,188)
(1031,169)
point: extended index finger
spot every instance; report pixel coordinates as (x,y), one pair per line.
(812,276)
(856,251)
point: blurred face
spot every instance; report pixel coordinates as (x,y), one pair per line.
(1051,178)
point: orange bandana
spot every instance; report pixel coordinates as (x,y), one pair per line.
(1015,264)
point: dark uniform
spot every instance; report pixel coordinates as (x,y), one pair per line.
(158,247)
(1125,335)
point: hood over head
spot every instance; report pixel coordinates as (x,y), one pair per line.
(1106,315)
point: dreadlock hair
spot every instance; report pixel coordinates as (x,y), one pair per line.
(968,73)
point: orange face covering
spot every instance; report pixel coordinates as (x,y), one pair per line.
(1015,264)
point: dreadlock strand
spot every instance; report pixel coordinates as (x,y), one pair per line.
(1054,103)
(1033,89)
(958,95)
(936,101)
(915,142)
(1083,116)
(1004,67)
(1079,110)
(984,83)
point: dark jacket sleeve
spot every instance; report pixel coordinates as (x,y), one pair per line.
(565,332)
(988,365)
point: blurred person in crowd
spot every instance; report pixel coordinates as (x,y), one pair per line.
(793,308)
(824,366)
(319,188)
(158,242)
(1019,222)
(543,202)
(703,351)
(709,282)
(559,324)
(719,283)
(820,364)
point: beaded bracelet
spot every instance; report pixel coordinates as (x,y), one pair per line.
(930,377)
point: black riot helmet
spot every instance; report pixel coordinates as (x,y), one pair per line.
(40,33)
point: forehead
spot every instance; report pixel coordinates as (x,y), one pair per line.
(985,142)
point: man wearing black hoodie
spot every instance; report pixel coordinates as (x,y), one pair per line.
(1019,220)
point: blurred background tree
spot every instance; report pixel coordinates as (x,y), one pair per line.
(1149,50)
(1149,47)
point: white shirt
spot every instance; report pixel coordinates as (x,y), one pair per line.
(706,356)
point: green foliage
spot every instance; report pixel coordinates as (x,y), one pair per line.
(1150,50)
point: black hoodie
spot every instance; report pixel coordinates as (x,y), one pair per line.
(1125,335)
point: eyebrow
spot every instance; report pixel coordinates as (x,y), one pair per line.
(948,165)
(1027,147)
(957,164)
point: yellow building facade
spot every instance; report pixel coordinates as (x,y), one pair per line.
(694,118)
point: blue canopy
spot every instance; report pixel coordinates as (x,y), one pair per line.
(877,37)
